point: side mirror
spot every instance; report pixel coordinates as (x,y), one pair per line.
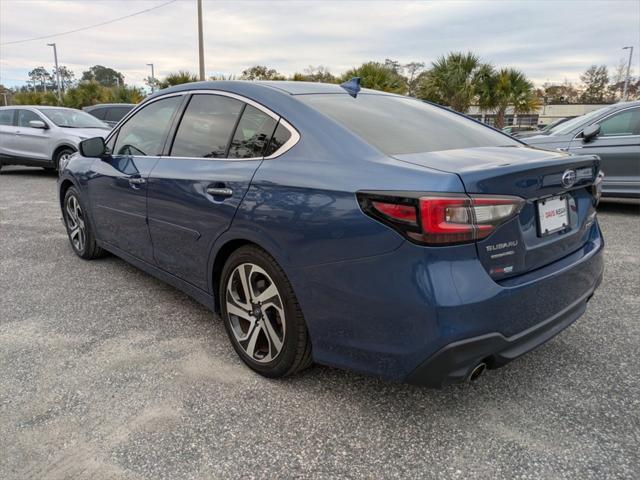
(38,124)
(590,132)
(93,147)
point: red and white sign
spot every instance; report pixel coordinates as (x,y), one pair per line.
(553,214)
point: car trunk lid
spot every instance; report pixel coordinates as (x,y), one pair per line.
(532,239)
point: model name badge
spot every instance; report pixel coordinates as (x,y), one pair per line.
(501,246)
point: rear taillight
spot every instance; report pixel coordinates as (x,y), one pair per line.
(441,219)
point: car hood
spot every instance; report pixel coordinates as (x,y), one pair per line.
(84,133)
(560,140)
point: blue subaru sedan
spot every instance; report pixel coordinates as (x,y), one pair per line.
(343,226)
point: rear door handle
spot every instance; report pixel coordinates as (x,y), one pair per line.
(220,191)
(137,181)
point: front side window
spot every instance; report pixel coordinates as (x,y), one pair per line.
(25,116)
(252,134)
(6,117)
(399,125)
(623,123)
(206,127)
(145,132)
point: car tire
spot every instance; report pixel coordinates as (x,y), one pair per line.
(265,327)
(62,154)
(79,228)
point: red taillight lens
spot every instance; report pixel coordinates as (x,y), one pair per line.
(397,211)
(442,219)
(445,220)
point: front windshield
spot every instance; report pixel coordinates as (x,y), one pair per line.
(68,118)
(569,125)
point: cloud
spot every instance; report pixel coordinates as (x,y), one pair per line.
(548,40)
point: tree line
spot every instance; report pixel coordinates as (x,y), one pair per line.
(457,80)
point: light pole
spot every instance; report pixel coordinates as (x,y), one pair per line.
(55,59)
(200,41)
(153,78)
(626,80)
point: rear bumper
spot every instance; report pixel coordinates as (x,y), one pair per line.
(454,362)
(429,316)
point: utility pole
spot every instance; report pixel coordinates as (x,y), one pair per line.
(626,80)
(4,94)
(200,41)
(55,59)
(153,78)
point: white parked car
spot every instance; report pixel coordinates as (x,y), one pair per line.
(44,136)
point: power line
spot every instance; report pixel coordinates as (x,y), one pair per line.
(90,26)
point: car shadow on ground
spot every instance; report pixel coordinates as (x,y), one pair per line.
(623,206)
(28,171)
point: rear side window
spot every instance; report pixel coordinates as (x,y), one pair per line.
(25,116)
(6,117)
(397,125)
(207,126)
(115,114)
(98,113)
(280,137)
(145,132)
(623,123)
(252,134)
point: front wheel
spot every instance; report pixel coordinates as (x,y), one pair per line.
(62,157)
(261,314)
(81,235)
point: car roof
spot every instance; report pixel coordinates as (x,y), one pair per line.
(250,86)
(101,105)
(39,107)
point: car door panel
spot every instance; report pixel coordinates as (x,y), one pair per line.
(118,186)
(195,192)
(29,142)
(7,133)
(184,219)
(118,191)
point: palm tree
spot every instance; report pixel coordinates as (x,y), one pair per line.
(178,78)
(451,80)
(507,86)
(377,76)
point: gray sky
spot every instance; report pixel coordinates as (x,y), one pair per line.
(549,40)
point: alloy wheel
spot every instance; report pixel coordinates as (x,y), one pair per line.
(255,312)
(75,223)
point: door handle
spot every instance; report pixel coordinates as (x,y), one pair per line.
(220,191)
(137,181)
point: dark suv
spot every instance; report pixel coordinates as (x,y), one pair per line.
(109,113)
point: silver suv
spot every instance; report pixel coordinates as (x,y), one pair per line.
(44,136)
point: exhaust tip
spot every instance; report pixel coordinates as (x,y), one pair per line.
(477,371)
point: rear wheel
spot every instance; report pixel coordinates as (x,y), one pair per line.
(262,316)
(79,227)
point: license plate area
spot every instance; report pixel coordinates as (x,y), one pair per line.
(553,215)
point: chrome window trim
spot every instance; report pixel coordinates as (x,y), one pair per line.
(293,140)
(605,118)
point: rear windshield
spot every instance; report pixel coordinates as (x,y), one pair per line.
(398,125)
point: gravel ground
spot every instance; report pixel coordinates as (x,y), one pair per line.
(107,373)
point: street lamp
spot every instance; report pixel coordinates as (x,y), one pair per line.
(55,58)
(626,80)
(200,41)
(153,77)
